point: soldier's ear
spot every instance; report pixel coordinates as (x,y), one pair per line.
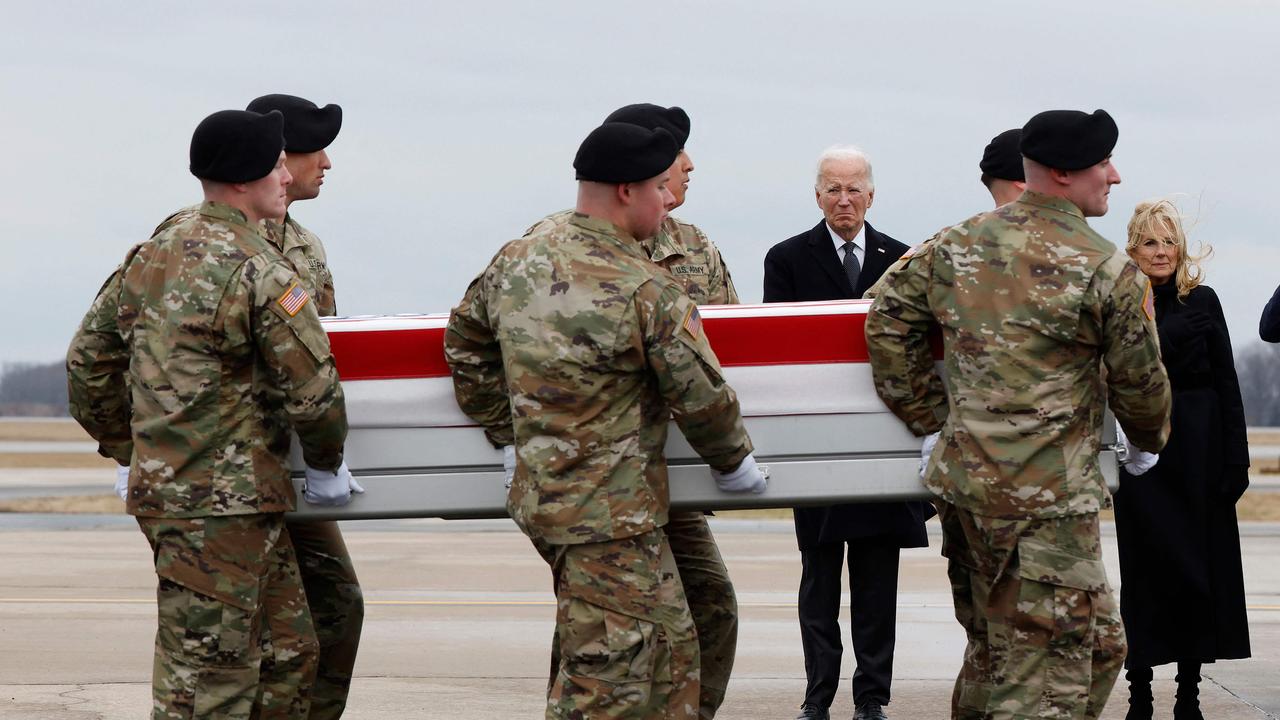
(625,192)
(1061,177)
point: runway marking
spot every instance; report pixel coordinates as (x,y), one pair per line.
(459,603)
(384,603)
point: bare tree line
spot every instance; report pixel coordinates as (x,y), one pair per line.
(33,389)
(1258,366)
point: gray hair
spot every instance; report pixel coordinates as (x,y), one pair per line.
(844,152)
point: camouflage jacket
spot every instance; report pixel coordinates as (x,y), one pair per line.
(572,348)
(215,350)
(873,292)
(1032,304)
(682,250)
(299,245)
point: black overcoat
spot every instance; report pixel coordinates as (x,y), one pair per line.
(807,268)
(1181,582)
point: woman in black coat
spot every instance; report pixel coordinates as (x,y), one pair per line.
(1181,582)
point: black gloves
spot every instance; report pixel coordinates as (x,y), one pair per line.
(1235,480)
(1179,330)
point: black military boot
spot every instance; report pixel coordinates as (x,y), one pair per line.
(813,712)
(1187,706)
(1139,694)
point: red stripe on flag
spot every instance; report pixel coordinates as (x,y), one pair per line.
(389,354)
(787,339)
(738,341)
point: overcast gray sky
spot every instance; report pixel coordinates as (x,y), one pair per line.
(461,120)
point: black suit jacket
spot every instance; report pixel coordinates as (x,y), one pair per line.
(1269,326)
(806,268)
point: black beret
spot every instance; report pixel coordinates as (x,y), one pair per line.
(1002,159)
(307,128)
(236,146)
(618,152)
(1069,139)
(672,119)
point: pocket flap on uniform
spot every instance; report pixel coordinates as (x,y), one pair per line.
(1045,563)
(222,557)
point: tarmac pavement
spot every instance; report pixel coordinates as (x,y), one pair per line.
(460,614)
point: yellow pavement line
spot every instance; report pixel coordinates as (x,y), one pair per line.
(76,601)
(138,601)
(388,603)
(441,603)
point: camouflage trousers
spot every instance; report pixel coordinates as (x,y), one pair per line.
(712,603)
(1044,633)
(337,610)
(628,643)
(228,587)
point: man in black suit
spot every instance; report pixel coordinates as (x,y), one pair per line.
(840,258)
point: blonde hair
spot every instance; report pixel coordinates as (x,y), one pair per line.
(1159,218)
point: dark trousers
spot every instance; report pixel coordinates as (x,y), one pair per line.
(873,601)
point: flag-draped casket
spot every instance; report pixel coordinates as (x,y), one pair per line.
(800,370)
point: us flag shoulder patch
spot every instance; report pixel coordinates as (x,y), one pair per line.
(293,299)
(692,322)
(1149,303)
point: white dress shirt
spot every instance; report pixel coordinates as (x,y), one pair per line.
(859,244)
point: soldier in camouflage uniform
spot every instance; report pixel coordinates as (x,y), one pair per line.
(333,591)
(1001,167)
(1002,175)
(679,247)
(573,347)
(1033,304)
(691,258)
(192,367)
(328,574)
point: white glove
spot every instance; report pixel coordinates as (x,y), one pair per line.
(748,477)
(509,464)
(926,450)
(1134,460)
(330,488)
(122,481)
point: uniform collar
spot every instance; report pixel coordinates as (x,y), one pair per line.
(1051,202)
(667,242)
(226,213)
(606,230)
(285,235)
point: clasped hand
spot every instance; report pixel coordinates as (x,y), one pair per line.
(747,477)
(330,488)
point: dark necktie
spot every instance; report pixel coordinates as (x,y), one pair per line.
(851,266)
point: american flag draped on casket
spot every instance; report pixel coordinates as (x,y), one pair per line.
(800,370)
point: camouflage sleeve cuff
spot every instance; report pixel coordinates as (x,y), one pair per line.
(730,461)
(322,459)
(501,437)
(120,451)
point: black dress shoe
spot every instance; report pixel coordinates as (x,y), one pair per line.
(813,712)
(869,710)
